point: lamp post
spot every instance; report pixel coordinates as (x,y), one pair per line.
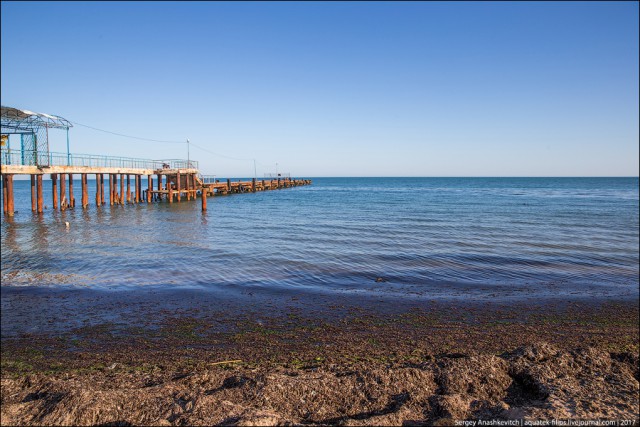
(188,159)
(68,154)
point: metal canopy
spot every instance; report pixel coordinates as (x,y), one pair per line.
(15,120)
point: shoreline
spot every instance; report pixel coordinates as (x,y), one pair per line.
(301,360)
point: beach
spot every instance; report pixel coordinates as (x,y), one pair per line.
(315,360)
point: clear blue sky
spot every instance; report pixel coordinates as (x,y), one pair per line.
(337,89)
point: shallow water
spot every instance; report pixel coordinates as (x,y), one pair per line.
(484,238)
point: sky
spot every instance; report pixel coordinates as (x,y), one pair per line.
(336,88)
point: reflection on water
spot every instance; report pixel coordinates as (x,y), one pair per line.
(424,236)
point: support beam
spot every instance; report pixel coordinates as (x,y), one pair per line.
(4,193)
(204,198)
(170,188)
(33,193)
(54,189)
(178,185)
(188,185)
(111,192)
(85,194)
(72,200)
(9,199)
(121,199)
(63,192)
(40,194)
(102,201)
(149,187)
(137,199)
(128,190)
(253,185)
(98,201)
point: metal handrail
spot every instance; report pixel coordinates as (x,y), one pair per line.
(18,157)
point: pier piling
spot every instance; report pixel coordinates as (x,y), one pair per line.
(111,189)
(72,200)
(137,199)
(178,185)
(4,193)
(188,186)
(85,191)
(128,190)
(98,202)
(63,192)
(9,199)
(121,196)
(33,193)
(54,189)
(149,187)
(204,198)
(40,194)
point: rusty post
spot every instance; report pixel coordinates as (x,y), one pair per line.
(33,193)
(149,187)
(40,195)
(178,185)
(204,198)
(85,194)
(98,202)
(9,200)
(63,192)
(100,184)
(188,185)
(137,184)
(111,189)
(83,190)
(128,190)
(54,189)
(228,185)
(253,185)
(170,189)
(122,189)
(4,193)
(72,200)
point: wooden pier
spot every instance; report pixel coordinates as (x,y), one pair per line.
(175,180)
(169,185)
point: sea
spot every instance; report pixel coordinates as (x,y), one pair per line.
(478,239)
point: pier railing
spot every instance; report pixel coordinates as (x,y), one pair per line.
(19,157)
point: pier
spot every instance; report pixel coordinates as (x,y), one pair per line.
(175,180)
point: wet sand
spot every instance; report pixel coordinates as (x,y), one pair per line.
(256,358)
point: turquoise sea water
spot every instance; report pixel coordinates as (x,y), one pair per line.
(481,238)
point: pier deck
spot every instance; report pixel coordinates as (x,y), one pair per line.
(174,180)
